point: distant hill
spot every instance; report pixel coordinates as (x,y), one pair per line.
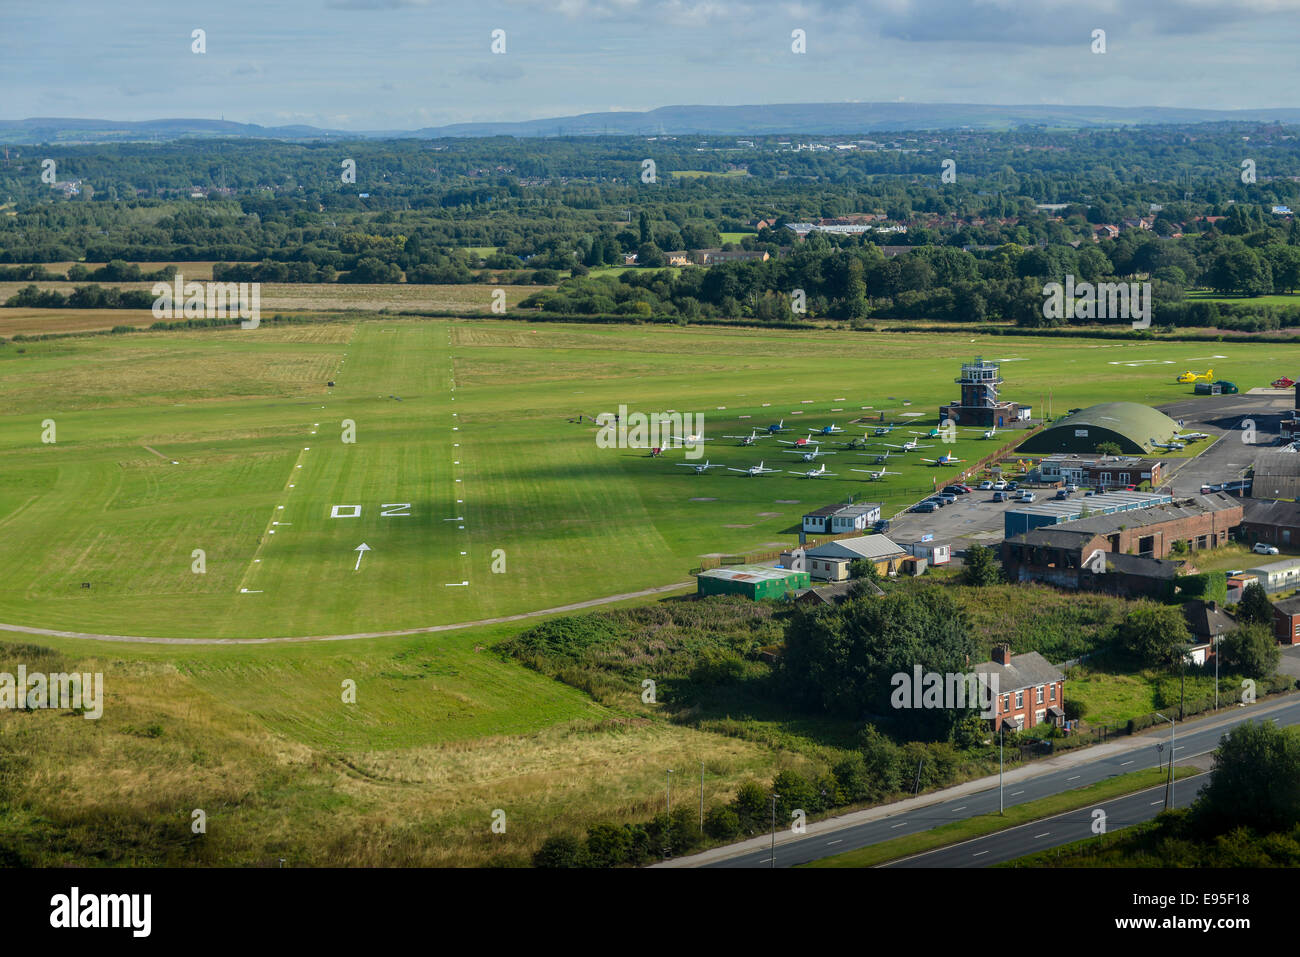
(794,119)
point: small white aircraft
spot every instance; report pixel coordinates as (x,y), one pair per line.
(946,459)
(877,475)
(911,445)
(885,429)
(746,439)
(989,433)
(689,440)
(1171,446)
(810,456)
(800,443)
(700,469)
(880,457)
(814,473)
(753,470)
(1191,437)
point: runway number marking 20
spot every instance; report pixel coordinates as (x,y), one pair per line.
(386,510)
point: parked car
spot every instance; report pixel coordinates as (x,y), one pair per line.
(1072,488)
(985,486)
(882,525)
(999,496)
(1262,549)
(1062,493)
(1025,496)
(926,506)
(956,489)
(946,497)
(999,486)
(1012,486)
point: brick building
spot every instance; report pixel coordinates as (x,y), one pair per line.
(1286,621)
(1030,689)
(1058,553)
(1274,523)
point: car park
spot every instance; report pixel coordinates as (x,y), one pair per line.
(1262,549)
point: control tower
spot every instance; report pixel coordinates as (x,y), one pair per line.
(979,403)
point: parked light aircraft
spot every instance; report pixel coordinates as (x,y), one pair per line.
(701,469)
(753,470)
(877,475)
(814,473)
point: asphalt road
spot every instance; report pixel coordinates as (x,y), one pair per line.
(1054,831)
(1197,738)
(1230,456)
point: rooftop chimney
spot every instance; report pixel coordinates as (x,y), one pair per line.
(1002,654)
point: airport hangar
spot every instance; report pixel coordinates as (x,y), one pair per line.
(1130,425)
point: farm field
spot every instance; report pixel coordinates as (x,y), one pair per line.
(471,297)
(257,438)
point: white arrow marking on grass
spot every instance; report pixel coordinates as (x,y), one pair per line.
(458,518)
(455,584)
(361,553)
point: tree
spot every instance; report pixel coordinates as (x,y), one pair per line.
(1255,781)
(1108,448)
(721,823)
(842,661)
(751,805)
(981,568)
(607,845)
(1251,650)
(864,570)
(1156,636)
(1254,606)
(562,850)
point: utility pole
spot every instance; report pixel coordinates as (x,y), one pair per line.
(1000,808)
(701,797)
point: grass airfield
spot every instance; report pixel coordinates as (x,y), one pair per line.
(465,457)
(444,731)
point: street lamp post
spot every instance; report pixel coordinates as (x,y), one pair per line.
(668,825)
(773,859)
(1216,671)
(1000,808)
(1172,725)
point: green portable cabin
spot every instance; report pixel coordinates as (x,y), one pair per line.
(753,581)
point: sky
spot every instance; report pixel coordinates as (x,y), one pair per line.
(405,64)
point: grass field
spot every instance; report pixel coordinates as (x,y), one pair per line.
(444,730)
(328,296)
(257,436)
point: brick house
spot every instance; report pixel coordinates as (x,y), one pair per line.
(1030,690)
(1286,621)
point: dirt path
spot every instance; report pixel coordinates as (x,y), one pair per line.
(576,606)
